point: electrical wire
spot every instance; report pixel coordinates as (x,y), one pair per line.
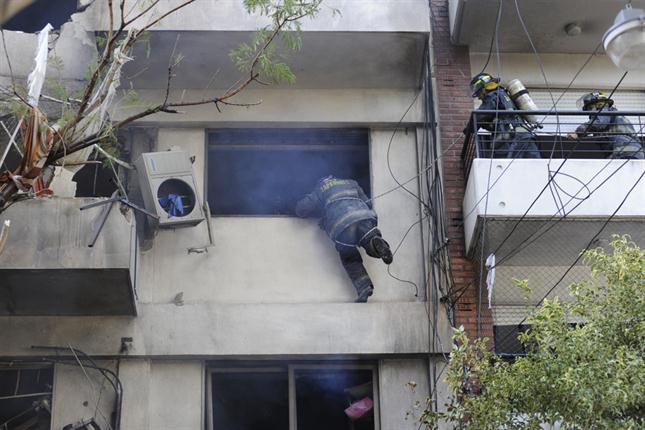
(591,242)
(532,238)
(91,387)
(552,175)
(552,108)
(568,87)
(111,377)
(492,39)
(421,173)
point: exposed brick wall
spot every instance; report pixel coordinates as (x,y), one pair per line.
(452,72)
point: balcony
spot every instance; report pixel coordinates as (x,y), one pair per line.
(537,228)
(339,50)
(47,268)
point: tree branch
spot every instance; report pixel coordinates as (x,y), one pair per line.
(153,4)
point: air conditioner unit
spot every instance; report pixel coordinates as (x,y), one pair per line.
(169,189)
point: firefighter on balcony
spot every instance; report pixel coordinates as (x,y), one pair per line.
(617,132)
(347,216)
(511,136)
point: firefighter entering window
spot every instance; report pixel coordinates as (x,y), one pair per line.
(619,135)
(346,214)
(512,135)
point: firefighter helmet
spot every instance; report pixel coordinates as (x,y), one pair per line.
(593,99)
(483,81)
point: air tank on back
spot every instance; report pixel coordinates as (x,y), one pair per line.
(522,99)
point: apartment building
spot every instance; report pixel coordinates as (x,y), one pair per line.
(534,215)
(247,319)
(162,329)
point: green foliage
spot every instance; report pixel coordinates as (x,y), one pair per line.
(582,375)
(19,109)
(260,54)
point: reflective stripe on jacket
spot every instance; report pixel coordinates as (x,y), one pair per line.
(339,202)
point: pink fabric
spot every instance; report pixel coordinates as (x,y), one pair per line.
(359,408)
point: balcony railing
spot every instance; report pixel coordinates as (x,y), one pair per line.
(551,135)
(536,234)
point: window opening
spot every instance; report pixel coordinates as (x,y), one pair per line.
(291,397)
(25,398)
(334,399)
(266,171)
(250,400)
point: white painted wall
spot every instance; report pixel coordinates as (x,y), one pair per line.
(80,394)
(284,108)
(169,394)
(222,15)
(513,191)
(559,69)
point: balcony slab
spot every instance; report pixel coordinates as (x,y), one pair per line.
(47,267)
(587,191)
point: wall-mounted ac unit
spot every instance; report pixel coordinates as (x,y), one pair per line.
(169,189)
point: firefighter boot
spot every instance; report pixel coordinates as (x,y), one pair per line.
(364,294)
(382,248)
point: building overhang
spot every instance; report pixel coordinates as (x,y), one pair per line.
(327,60)
(472,23)
(47,267)
(522,198)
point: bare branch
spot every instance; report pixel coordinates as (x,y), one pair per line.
(122,7)
(170,12)
(142,13)
(111,19)
(171,64)
(239,86)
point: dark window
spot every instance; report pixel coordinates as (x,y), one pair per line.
(95,180)
(323,396)
(250,400)
(25,398)
(506,341)
(266,171)
(288,397)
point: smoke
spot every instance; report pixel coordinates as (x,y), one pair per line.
(265,172)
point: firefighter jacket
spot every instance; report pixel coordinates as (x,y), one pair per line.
(339,203)
(619,132)
(499,99)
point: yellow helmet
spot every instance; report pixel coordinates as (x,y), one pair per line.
(588,101)
(483,81)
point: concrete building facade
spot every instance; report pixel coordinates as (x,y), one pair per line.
(261,324)
(268,303)
(513,214)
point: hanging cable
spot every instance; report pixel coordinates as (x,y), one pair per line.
(591,242)
(551,176)
(492,38)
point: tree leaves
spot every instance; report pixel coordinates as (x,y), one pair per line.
(261,53)
(583,375)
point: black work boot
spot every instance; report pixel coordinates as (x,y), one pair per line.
(364,294)
(382,248)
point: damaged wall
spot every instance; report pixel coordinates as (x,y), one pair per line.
(271,286)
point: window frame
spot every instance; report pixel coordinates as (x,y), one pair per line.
(210,130)
(291,369)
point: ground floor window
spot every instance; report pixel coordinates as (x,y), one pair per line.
(25,397)
(293,396)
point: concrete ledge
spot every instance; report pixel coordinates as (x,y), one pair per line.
(47,267)
(209,330)
(598,186)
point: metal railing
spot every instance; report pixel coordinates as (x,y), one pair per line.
(550,135)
